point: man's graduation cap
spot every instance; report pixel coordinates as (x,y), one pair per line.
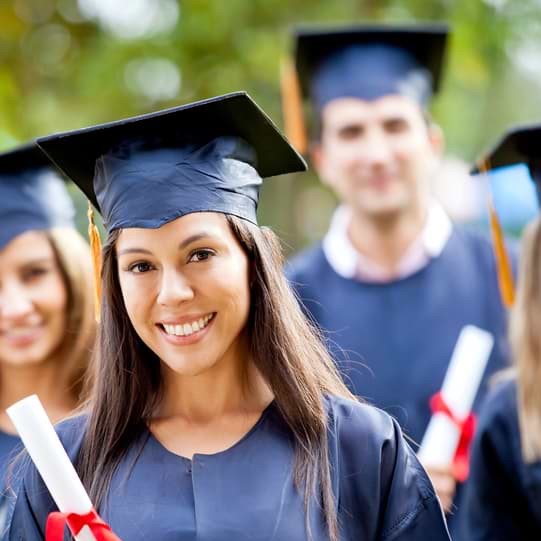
(362,61)
(32,195)
(145,171)
(520,144)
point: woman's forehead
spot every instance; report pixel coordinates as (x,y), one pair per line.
(200,224)
(28,246)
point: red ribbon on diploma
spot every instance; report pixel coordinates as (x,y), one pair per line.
(56,523)
(461,460)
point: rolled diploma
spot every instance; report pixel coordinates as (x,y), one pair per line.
(51,459)
(459,388)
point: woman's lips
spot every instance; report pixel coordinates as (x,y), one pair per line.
(183,334)
(22,337)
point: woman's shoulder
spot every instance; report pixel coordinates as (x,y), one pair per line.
(353,419)
(362,433)
(32,490)
(373,464)
(71,432)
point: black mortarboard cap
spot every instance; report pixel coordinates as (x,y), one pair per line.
(520,144)
(370,61)
(33,197)
(148,170)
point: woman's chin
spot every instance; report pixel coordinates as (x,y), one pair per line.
(20,359)
(188,367)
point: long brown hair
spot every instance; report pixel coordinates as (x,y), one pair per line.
(525,325)
(73,255)
(288,352)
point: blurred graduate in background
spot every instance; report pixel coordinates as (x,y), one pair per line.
(503,494)
(393,282)
(46,306)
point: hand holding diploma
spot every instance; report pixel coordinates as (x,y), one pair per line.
(446,440)
(58,474)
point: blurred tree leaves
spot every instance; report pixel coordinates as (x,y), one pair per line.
(61,68)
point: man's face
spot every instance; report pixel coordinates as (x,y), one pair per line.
(377,155)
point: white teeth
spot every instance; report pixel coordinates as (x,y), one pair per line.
(21,331)
(188,328)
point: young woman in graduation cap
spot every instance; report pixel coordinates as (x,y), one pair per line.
(217,413)
(503,494)
(46,317)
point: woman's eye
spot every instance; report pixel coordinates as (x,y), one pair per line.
(32,274)
(140,267)
(201,255)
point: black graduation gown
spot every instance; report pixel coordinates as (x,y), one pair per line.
(503,494)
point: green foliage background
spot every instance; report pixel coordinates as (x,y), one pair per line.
(60,69)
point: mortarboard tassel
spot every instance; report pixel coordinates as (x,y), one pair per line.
(503,264)
(294,126)
(95,248)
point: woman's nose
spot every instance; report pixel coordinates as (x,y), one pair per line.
(14,302)
(174,289)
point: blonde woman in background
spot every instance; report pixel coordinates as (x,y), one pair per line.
(503,496)
(46,313)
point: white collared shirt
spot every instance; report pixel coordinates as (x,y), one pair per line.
(349,263)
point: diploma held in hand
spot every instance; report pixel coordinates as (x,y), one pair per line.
(453,404)
(58,474)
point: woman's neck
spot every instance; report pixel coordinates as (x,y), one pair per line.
(47,380)
(233,384)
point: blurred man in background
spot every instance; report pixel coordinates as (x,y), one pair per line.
(393,282)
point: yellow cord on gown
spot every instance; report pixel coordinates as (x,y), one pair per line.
(503,263)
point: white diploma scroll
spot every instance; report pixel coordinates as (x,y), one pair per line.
(459,388)
(50,459)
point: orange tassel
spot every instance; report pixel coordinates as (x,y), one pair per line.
(503,263)
(294,126)
(95,250)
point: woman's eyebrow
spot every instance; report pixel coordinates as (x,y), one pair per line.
(37,261)
(193,238)
(186,242)
(134,251)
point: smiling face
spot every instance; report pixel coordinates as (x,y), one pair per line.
(33,300)
(377,155)
(186,290)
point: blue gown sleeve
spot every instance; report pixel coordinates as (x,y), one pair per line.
(412,508)
(384,492)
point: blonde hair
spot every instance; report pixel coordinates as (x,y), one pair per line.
(73,255)
(525,337)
